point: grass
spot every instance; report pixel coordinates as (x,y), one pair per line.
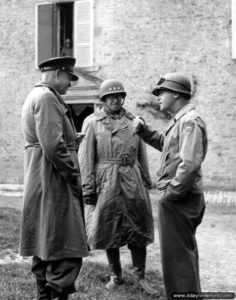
(18,283)
(10,228)
(94,276)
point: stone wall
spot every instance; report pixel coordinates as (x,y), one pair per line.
(135,41)
(148,38)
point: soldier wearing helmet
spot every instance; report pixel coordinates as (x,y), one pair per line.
(181,198)
(115,178)
(111,87)
(109,91)
(176,82)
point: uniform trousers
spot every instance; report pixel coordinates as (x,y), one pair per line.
(138,255)
(59,275)
(178,221)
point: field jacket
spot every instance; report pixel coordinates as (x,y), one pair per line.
(184,147)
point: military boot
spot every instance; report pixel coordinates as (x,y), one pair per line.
(43,291)
(116,279)
(139,262)
(144,286)
(55,295)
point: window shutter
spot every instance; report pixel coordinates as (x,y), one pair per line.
(44,32)
(233,12)
(83,32)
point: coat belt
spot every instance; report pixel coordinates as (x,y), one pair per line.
(124,160)
(71,147)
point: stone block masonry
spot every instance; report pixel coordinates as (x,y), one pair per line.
(134,41)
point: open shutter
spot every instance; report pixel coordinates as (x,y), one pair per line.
(83,32)
(233,16)
(44,32)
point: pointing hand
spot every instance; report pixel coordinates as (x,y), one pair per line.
(138,123)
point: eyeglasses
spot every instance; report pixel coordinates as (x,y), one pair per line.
(163,79)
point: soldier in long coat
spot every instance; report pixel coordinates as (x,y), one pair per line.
(115,179)
(52,228)
(181,198)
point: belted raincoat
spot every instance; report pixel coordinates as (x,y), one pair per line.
(114,167)
(181,198)
(52,217)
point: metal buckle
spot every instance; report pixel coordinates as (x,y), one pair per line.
(124,160)
(127,160)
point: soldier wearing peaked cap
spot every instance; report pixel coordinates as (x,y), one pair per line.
(181,198)
(52,226)
(65,64)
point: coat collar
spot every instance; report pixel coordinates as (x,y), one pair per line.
(179,114)
(41,83)
(101,114)
(183,111)
(65,107)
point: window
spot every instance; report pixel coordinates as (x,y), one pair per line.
(65,28)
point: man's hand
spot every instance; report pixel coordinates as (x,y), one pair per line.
(138,123)
(90,199)
(79,137)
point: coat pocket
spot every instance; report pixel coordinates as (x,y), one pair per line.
(146,182)
(100,179)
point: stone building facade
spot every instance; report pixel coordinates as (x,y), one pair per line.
(133,41)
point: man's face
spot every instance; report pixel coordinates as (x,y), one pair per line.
(63,82)
(166,100)
(114,102)
(67,45)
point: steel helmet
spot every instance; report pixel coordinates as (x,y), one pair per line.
(177,82)
(111,87)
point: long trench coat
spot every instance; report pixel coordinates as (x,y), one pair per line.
(181,198)
(122,214)
(52,218)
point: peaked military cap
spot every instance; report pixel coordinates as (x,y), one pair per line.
(65,63)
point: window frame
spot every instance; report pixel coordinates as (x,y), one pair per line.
(233,28)
(55,34)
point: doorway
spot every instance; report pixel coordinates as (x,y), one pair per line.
(79,113)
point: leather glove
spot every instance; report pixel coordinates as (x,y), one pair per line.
(138,123)
(90,199)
